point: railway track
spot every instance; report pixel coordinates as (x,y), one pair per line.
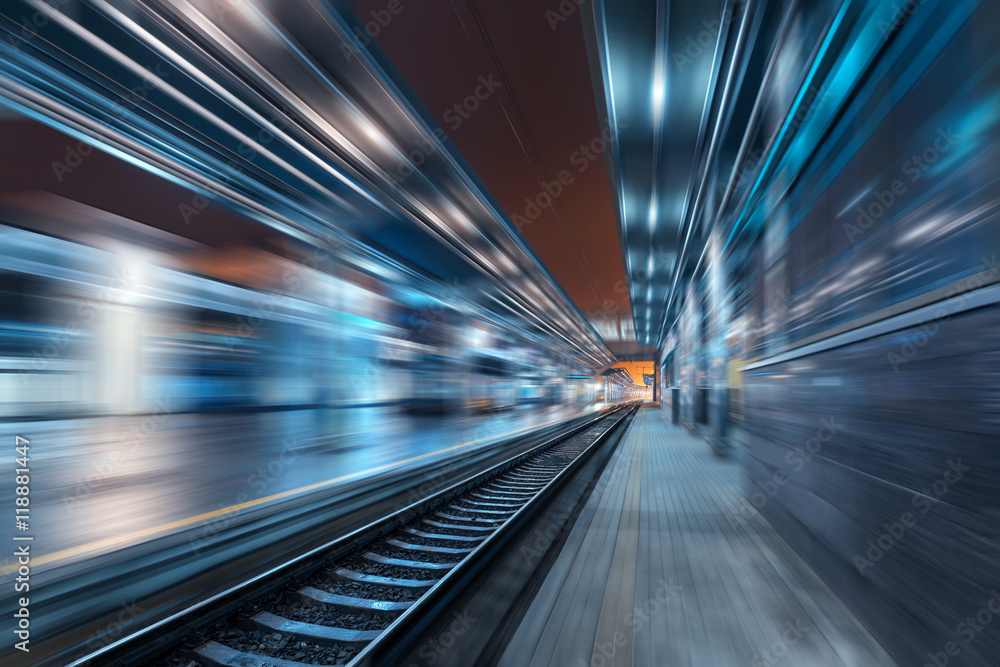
(333,606)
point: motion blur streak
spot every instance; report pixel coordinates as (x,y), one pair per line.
(97,547)
(833,322)
(251,295)
(305,297)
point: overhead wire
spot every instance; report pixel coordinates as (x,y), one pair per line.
(588,273)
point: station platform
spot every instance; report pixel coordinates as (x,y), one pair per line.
(656,571)
(110,483)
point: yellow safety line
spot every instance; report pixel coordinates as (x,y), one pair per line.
(180,523)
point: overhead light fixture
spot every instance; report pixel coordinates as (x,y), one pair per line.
(659,90)
(374,133)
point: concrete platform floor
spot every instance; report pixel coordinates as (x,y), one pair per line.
(659,571)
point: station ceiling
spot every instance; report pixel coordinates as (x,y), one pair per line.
(622,97)
(596,128)
(510,85)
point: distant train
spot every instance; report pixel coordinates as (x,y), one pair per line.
(88,330)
